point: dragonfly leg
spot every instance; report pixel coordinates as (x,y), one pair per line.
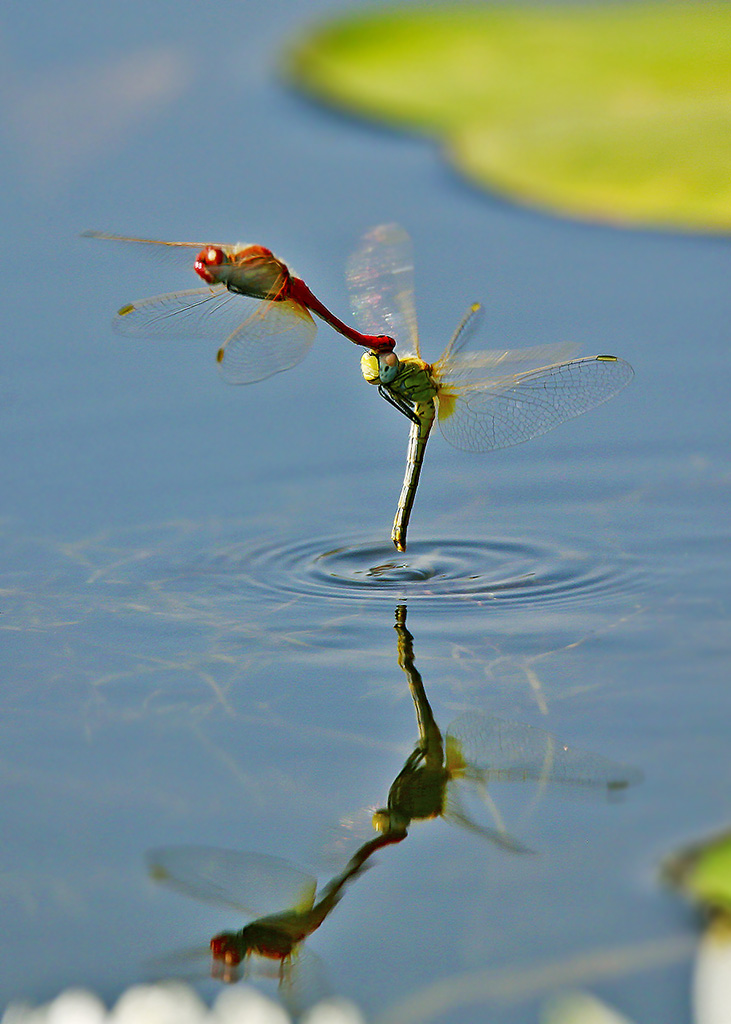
(398,403)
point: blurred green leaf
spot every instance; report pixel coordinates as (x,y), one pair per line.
(610,112)
(703,872)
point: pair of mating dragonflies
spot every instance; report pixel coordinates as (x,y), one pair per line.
(260,314)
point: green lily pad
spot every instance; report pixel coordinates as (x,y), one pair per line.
(619,113)
(703,872)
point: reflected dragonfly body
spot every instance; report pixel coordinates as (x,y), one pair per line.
(483,400)
(479,749)
(251,303)
(250,883)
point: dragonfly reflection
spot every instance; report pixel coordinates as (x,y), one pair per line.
(253,884)
(478,749)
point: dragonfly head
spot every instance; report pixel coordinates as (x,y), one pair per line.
(226,948)
(207,261)
(388,822)
(380,367)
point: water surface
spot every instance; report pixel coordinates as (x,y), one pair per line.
(198,593)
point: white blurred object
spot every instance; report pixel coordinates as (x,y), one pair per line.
(158,1004)
(75,1006)
(712,976)
(175,1003)
(242,1004)
(333,1011)
(581,1008)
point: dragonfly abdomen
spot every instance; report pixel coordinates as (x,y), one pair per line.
(418,436)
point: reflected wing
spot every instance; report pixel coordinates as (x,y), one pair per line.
(256,884)
(380,277)
(303,982)
(507,751)
(191,964)
(482,415)
(456,813)
(274,338)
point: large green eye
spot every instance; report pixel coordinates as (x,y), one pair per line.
(388,366)
(370,368)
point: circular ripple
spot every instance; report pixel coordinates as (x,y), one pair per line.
(473,571)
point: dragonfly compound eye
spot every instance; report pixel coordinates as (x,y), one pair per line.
(213,257)
(370,368)
(207,258)
(388,367)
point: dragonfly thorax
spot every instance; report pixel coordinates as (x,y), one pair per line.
(418,794)
(414,381)
(253,271)
(271,937)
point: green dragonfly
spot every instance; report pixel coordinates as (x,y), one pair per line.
(483,399)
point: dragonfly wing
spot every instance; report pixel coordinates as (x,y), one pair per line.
(180,254)
(380,276)
(458,366)
(276,337)
(456,813)
(465,331)
(510,751)
(210,312)
(303,981)
(507,411)
(153,243)
(191,964)
(256,884)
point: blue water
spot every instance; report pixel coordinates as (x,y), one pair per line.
(198,590)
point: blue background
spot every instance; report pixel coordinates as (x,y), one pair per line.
(183,662)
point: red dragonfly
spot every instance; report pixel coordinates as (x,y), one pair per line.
(284,898)
(257,309)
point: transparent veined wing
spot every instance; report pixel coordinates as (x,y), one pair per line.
(180,254)
(274,338)
(256,338)
(107,237)
(466,330)
(459,367)
(255,884)
(176,254)
(380,277)
(500,750)
(497,413)
(209,312)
